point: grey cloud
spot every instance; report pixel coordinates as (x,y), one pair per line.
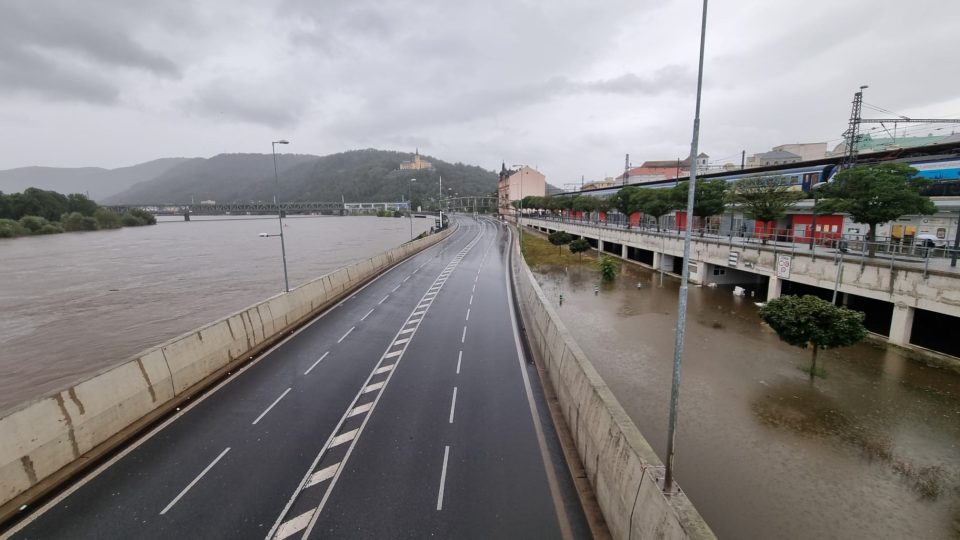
(27,71)
(53,48)
(232,100)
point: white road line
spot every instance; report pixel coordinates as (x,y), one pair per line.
(468,314)
(395,288)
(453,404)
(459,358)
(384,299)
(323,475)
(307,372)
(295,525)
(343,337)
(373,387)
(474,288)
(394,353)
(407,331)
(264,413)
(329,487)
(558,507)
(384,369)
(195,480)
(401,341)
(360,409)
(367,315)
(463,338)
(443,477)
(419,312)
(343,437)
(405,279)
(471,299)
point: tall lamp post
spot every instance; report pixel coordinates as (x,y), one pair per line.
(410,204)
(685,276)
(441,202)
(276,199)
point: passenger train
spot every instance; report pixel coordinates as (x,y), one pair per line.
(939,163)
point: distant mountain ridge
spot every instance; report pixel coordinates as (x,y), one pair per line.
(355,176)
(98,183)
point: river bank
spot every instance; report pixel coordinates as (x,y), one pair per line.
(75,304)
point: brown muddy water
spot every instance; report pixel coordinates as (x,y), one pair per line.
(871,451)
(73,304)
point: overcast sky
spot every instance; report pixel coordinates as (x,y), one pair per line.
(567,86)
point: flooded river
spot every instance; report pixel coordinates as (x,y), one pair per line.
(871,451)
(73,304)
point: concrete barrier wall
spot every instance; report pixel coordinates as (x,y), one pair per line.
(622,467)
(45,441)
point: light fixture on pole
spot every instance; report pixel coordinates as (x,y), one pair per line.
(685,276)
(276,200)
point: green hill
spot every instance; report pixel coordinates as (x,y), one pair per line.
(355,176)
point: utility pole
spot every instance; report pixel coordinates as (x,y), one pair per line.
(626,170)
(685,276)
(852,134)
(743,159)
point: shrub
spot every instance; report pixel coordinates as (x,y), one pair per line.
(75,221)
(130,220)
(608,269)
(107,219)
(146,217)
(11,229)
(33,223)
(50,228)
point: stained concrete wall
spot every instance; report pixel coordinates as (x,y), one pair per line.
(622,467)
(47,440)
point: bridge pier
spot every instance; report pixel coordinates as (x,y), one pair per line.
(901,324)
(774,288)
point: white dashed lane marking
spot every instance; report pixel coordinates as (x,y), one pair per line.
(343,337)
(309,369)
(264,413)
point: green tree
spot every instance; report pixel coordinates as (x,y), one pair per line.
(874,194)
(804,321)
(78,202)
(626,202)
(656,203)
(764,198)
(146,217)
(11,229)
(578,246)
(559,239)
(709,198)
(602,205)
(608,268)
(75,221)
(107,219)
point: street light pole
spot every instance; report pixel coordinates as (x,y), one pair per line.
(685,276)
(441,201)
(276,199)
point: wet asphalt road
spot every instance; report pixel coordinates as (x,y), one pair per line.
(405,411)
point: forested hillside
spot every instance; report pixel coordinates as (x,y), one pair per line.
(358,175)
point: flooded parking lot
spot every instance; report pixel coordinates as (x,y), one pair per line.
(870,451)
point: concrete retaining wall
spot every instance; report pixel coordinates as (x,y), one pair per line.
(45,441)
(622,467)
